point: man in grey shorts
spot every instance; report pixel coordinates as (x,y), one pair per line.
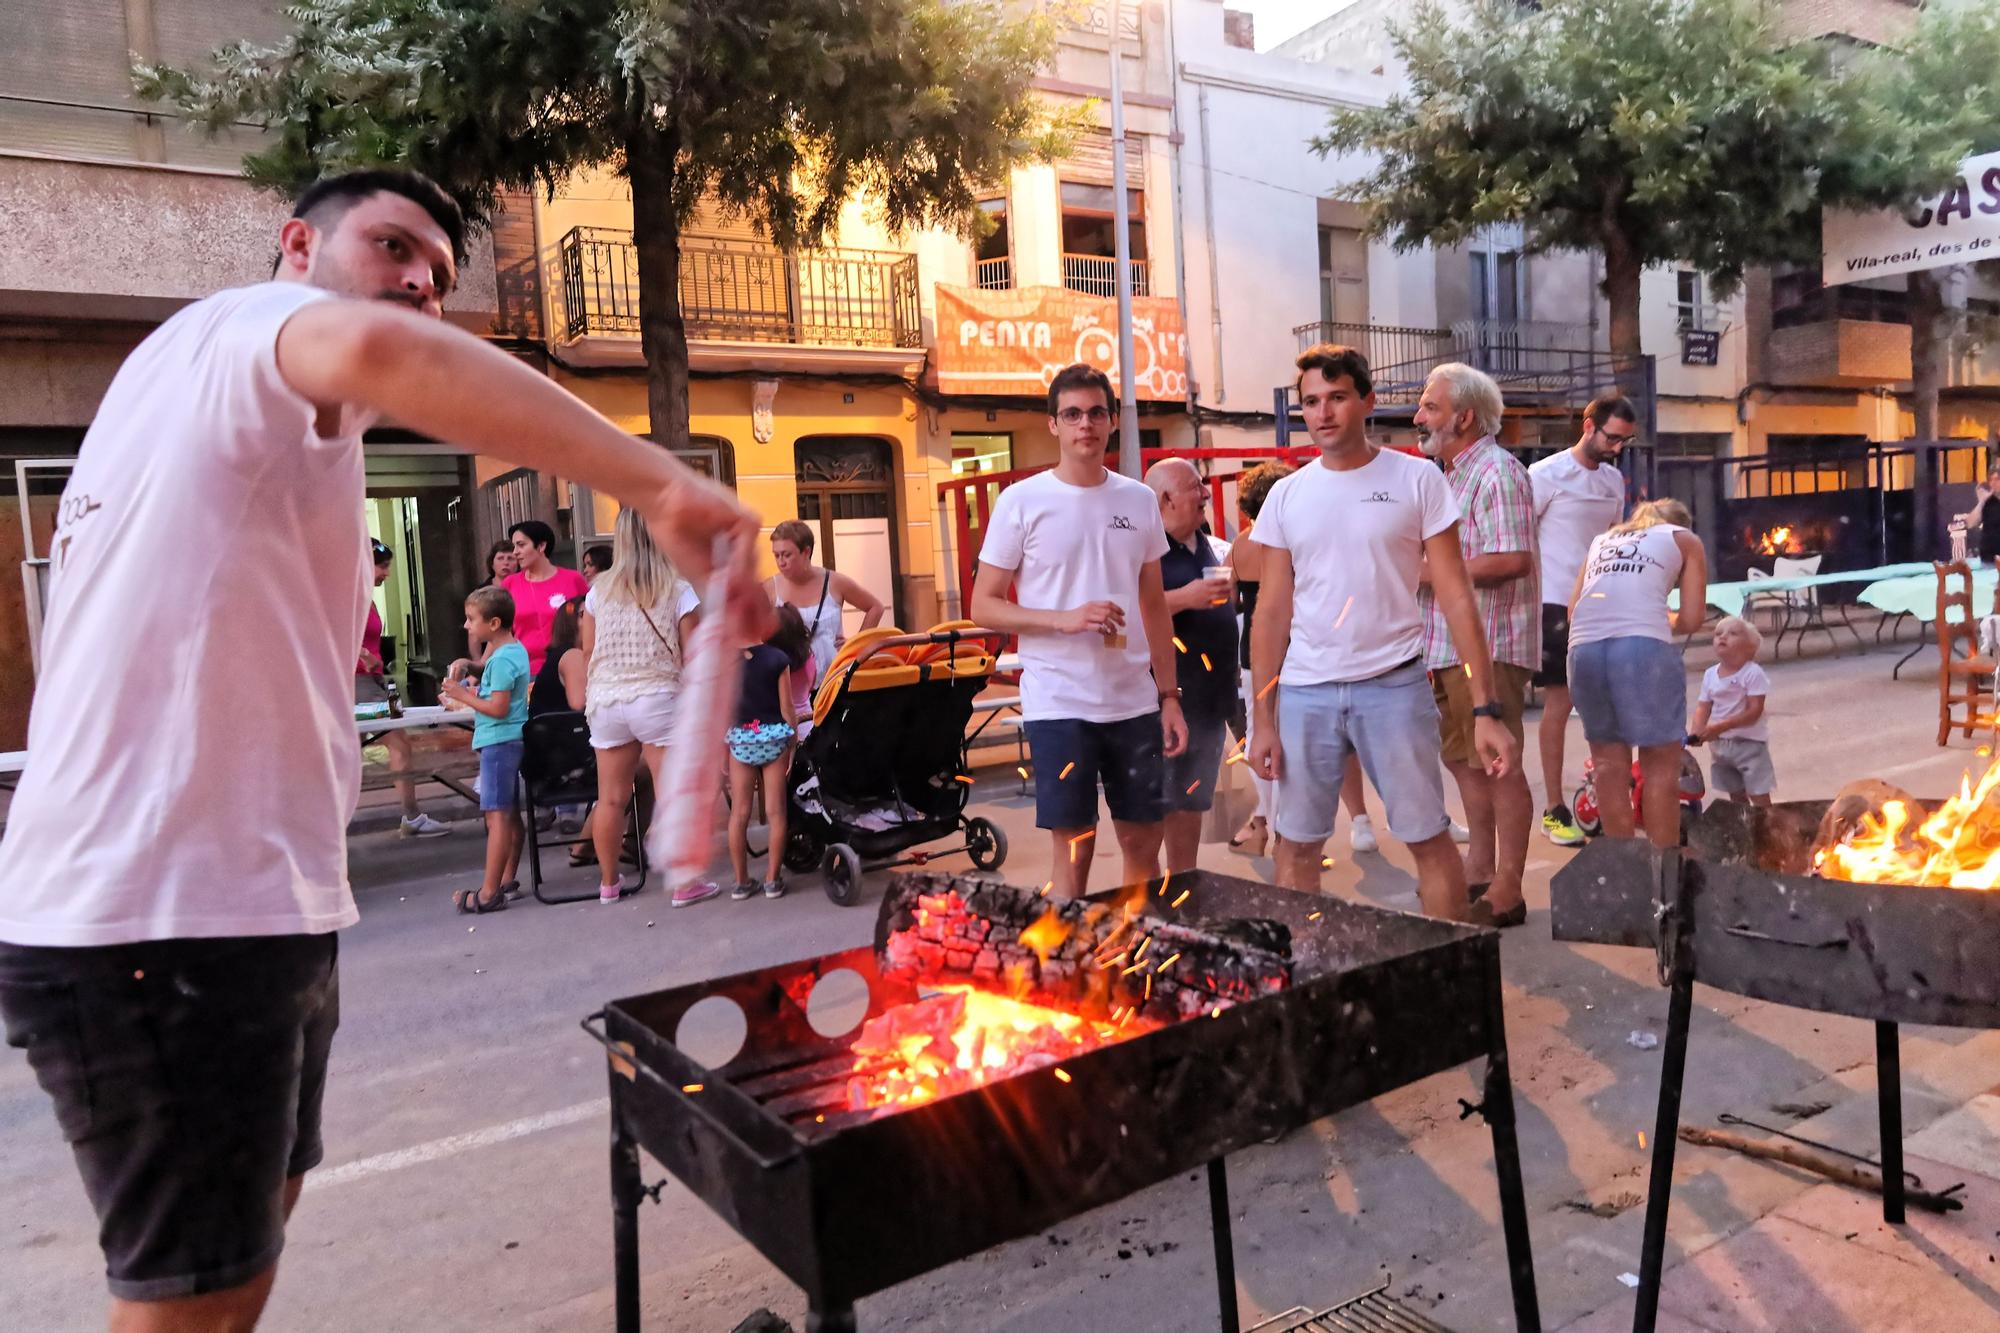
(170,892)
(1336,653)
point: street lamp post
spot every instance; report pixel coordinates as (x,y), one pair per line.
(1121,245)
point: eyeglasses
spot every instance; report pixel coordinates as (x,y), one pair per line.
(1071,416)
(1620,440)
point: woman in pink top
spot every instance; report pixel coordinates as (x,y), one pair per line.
(539,588)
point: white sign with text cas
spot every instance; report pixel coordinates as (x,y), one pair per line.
(1961,225)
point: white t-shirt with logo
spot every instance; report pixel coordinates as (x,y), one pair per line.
(1356,540)
(1626,579)
(1729,695)
(1573,504)
(192,758)
(1069,545)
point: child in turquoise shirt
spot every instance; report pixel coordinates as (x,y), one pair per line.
(501,702)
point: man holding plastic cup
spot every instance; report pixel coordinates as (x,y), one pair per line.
(1201,594)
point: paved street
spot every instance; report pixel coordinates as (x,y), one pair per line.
(465,1183)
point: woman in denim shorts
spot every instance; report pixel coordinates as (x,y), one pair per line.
(1625,672)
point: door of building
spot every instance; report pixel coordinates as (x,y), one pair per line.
(847,493)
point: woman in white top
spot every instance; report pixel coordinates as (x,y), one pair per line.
(635,619)
(1625,673)
(819,594)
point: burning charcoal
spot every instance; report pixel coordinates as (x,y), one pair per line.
(1258,932)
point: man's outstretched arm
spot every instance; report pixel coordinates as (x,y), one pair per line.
(430,377)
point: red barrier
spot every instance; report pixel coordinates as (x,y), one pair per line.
(968,501)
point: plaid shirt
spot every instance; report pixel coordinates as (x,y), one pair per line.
(1497,514)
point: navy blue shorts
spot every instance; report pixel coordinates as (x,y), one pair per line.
(1193,773)
(1073,757)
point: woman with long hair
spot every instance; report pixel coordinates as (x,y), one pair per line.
(1626,677)
(636,621)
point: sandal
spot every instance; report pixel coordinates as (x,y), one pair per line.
(1252,838)
(583,854)
(469,902)
(512,889)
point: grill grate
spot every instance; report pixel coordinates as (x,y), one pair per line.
(1371,1312)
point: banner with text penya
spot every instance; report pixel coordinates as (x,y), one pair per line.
(1013,342)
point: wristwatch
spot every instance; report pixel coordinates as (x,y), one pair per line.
(1491,710)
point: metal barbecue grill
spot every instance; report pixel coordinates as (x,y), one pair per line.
(1334,1003)
(1738,911)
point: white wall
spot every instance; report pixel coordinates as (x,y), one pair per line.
(1266,183)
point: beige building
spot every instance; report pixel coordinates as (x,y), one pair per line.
(115,217)
(1794,363)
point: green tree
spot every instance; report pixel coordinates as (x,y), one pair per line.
(783,110)
(1940,91)
(1651,131)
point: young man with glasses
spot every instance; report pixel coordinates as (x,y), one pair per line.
(1578,494)
(1081,546)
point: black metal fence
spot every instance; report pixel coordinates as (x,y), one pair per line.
(745,292)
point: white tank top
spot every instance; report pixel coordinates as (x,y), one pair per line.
(1626,579)
(822,620)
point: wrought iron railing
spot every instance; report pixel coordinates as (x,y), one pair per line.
(1097,275)
(994,275)
(744,292)
(1524,346)
(1382,344)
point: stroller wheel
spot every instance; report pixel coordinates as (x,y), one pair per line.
(985,843)
(802,850)
(841,869)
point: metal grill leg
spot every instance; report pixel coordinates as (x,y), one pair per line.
(1225,1250)
(832,1319)
(1666,1129)
(1889,1100)
(1499,1111)
(625,1195)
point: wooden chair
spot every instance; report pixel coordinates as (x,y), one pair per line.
(1959,678)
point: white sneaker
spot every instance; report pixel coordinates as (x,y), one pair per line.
(1460,834)
(423,826)
(1361,834)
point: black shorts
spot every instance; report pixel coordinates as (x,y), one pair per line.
(1072,757)
(187,1077)
(1192,774)
(1555,645)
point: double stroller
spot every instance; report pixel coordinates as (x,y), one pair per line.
(884,768)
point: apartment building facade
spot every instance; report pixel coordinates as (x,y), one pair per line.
(116,216)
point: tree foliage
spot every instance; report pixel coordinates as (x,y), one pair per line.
(1653,131)
(783,110)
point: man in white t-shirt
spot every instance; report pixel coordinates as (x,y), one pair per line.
(1336,653)
(174,866)
(1578,494)
(1081,547)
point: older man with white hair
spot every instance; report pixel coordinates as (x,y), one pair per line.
(1201,598)
(1457,418)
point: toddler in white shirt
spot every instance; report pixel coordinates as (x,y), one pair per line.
(1730,715)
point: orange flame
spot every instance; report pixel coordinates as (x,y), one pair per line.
(1046,935)
(961,1038)
(1775,542)
(1956,846)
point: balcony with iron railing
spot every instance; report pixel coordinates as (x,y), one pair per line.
(1097,275)
(741,291)
(1532,359)
(993,275)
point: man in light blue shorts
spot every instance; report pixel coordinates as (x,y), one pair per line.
(1336,652)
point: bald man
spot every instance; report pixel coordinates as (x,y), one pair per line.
(1201,597)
